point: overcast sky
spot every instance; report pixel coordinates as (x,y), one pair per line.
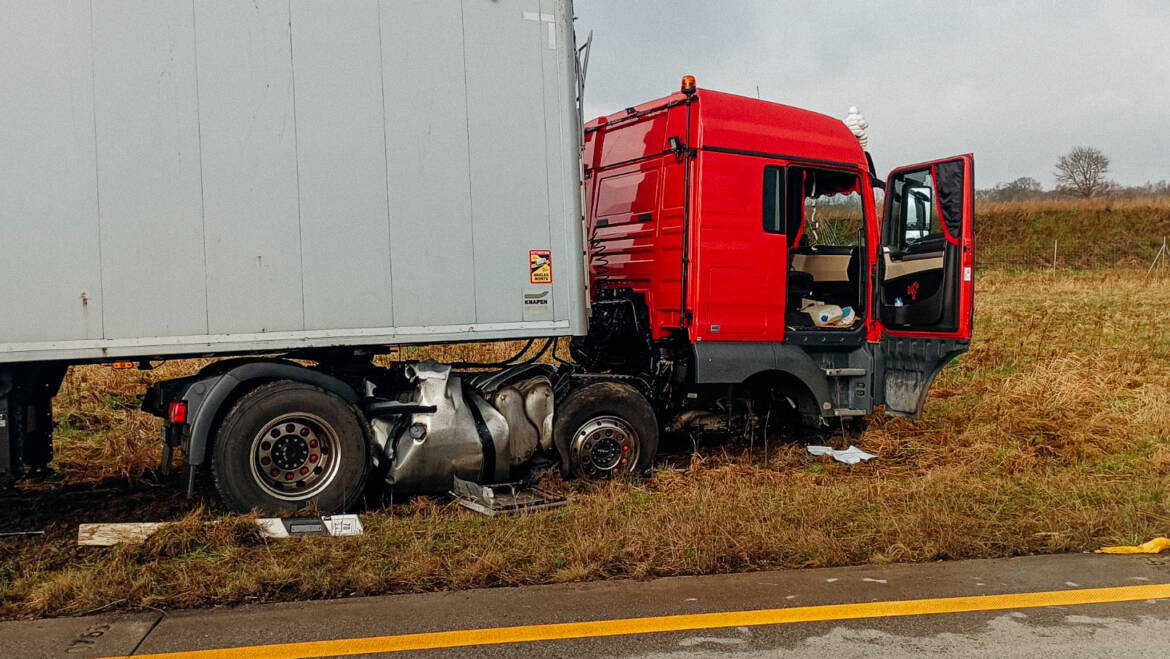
(1016,83)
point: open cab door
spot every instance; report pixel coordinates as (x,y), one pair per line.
(925,283)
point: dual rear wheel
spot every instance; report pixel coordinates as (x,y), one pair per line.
(285,446)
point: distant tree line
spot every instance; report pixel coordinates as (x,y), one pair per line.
(1082,172)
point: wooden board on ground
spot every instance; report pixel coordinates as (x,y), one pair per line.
(107,535)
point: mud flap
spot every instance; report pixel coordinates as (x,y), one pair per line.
(906,368)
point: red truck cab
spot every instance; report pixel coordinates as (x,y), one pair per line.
(715,222)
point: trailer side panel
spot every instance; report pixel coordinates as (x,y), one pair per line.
(193,177)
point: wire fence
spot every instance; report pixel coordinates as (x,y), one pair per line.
(1073,255)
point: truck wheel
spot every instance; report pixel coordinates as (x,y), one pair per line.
(286,445)
(605,429)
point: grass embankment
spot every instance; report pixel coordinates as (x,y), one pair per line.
(1091,233)
(1052,434)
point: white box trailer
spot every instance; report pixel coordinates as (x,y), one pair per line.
(183,177)
(305,182)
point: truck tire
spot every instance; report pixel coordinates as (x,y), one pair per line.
(287,445)
(605,429)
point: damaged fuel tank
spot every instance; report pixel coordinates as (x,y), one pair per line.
(480,427)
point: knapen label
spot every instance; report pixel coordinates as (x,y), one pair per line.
(538,304)
(540,266)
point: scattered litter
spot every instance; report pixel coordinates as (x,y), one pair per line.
(849,456)
(790,597)
(1072,584)
(1155,546)
(108,535)
(875,580)
(331,525)
(831,580)
(828,315)
(504,498)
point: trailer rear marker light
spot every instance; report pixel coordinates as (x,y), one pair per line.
(121,366)
(177,412)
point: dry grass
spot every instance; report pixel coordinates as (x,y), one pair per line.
(1079,205)
(1052,434)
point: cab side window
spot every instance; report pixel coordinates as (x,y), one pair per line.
(774,199)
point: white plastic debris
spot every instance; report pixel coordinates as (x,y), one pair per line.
(849,456)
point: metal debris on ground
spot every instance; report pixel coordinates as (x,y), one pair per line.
(291,527)
(849,456)
(504,498)
(1155,546)
(21,534)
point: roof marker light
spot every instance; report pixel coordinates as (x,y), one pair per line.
(688,85)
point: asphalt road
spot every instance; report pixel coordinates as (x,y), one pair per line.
(1074,605)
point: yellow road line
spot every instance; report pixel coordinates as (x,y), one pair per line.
(677,623)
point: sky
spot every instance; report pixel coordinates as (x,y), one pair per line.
(1016,83)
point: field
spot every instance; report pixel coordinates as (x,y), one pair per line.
(1051,435)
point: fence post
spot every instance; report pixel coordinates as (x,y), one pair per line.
(1054,244)
(1162,254)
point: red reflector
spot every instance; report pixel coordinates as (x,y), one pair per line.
(177,412)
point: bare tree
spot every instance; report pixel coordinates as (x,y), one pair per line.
(1082,172)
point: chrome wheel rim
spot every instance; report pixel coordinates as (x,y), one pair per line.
(295,456)
(604,447)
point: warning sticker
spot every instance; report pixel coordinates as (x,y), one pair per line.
(540,266)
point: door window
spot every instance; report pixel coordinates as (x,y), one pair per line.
(914,224)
